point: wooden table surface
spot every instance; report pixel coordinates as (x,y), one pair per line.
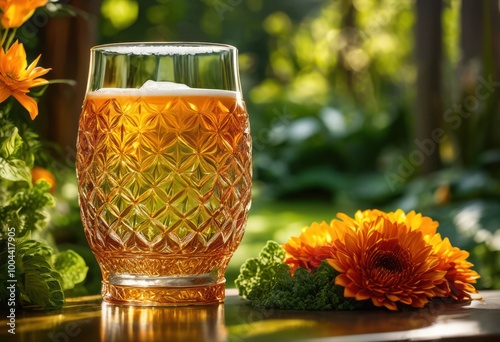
(89,319)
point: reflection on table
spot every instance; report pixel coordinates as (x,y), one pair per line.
(190,323)
(89,319)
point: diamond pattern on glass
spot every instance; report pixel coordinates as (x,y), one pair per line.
(161,174)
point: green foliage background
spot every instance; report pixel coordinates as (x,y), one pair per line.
(331,103)
(42,273)
(332,116)
(331,106)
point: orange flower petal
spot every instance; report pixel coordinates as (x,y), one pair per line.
(351,291)
(390,305)
(16,78)
(17,12)
(342,280)
(363,294)
(28,103)
(4,92)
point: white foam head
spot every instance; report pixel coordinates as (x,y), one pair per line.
(162,86)
(116,92)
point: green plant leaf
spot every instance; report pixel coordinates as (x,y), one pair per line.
(71,267)
(257,274)
(14,170)
(30,205)
(40,286)
(43,290)
(266,282)
(11,143)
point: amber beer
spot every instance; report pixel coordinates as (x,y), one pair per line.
(164,181)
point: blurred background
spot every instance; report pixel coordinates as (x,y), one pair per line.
(354,104)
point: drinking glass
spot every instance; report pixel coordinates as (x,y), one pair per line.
(164,170)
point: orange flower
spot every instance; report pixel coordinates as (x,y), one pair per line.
(16,77)
(17,12)
(311,247)
(385,258)
(413,220)
(315,242)
(388,258)
(453,260)
(39,173)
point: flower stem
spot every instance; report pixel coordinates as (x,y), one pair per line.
(10,39)
(62,80)
(4,36)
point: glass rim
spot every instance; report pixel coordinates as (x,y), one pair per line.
(163,48)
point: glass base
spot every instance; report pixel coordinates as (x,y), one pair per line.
(163,295)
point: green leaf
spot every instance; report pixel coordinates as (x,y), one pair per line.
(72,268)
(40,286)
(31,146)
(31,205)
(11,143)
(32,247)
(14,170)
(15,155)
(42,276)
(257,274)
(266,282)
(43,290)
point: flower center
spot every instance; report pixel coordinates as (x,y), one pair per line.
(390,261)
(388,256)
